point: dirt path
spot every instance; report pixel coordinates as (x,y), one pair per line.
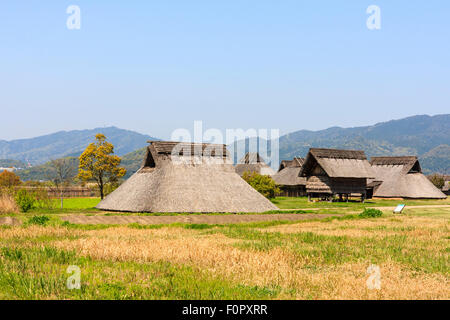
(10,221)
(380,208)
(208,219)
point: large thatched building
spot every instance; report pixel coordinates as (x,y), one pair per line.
(253,162)
(289,180)
(401,177)
(186,177)
(331,172)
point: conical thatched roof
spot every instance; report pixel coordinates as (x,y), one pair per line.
(202,179)
(253,162)
(338,163)
(401,177)
(288,173)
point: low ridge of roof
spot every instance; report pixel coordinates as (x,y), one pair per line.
(294,163)
(408,163)
(191,148)
(394,161)
(338,153)
(252,158)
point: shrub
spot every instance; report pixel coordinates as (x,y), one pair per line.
(9,179)
(110,187)
(25,200)
(262,183)
(42,200)
(7,204)
(438,180)
(371,213)
(38,220)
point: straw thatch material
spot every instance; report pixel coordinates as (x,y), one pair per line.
(332,171)
(205,183)
(401,177)
(253,162)
(287,177)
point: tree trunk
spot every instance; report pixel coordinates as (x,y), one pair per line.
(100,185)
(62,200)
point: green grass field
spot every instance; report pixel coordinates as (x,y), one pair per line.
(302,202)
(87,205)
(325,259)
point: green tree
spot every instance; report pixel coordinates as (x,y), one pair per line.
(264,184)
(98,163)
(438,180)
(62,174)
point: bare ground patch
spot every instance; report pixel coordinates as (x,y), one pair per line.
(207,219)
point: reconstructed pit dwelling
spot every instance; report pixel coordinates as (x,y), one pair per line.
(186,177)
(401,177)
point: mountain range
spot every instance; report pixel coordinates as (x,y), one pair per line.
(69,143)
(428,137)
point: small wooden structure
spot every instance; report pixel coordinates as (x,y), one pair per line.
(332,172)
(287,177)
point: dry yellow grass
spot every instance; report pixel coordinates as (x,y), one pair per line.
(7,204)
(276,267)
(38,231)
(297,274)
(417,227)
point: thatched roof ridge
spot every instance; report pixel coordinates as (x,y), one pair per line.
(251,158)
(189,148)
(338,163)
(404,160)
(338,153)
(253,162)
(296,163)
(409,163)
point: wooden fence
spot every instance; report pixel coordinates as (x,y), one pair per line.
(68,192)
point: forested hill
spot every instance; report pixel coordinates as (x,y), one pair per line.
(69,143)
(425,136)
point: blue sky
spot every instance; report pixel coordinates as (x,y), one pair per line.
(155,66)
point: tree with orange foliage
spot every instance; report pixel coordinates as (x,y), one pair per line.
(9,179)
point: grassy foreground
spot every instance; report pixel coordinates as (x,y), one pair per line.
(271,260)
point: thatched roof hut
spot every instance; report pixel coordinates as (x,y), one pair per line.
(186,177)
(253,162)
(331,171)
(401,177)
(288,178)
